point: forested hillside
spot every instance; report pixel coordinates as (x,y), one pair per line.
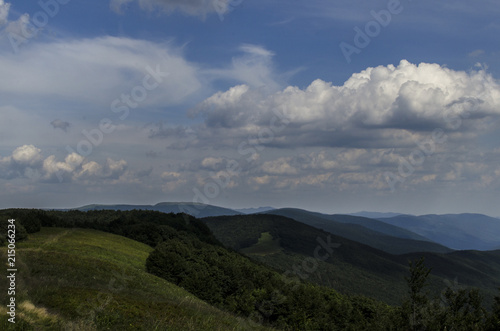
(65,267)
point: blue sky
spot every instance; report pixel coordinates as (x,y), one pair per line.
(336,106)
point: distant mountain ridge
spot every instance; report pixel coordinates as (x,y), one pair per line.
(255,210)
(374,214)
(434,233)
(371,232)
(457,231)
(198,210)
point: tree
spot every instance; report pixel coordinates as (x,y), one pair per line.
(418,301)
(463,309)
(494,320)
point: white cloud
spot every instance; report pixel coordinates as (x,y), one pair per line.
(27,155)
(172,180)
(212,163)
(28,162)
(253,67)
(190,7)
(21,162)
(91,169)
(4,12)
(389,101)
(100,70)
(280,166)
(15,32)
(476,53)
(114,169)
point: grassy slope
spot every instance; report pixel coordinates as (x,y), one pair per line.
(79,279)
(265,246)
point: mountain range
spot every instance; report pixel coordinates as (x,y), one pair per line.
(194,209)
(397,234)
(351,266)
(457,231)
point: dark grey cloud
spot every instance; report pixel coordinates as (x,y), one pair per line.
(60,124)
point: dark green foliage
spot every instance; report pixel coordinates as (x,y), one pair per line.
(418,299)
(188,254)
(149,227)
(20,231)
(354,268)
(457,308)
(351,267)
(494,319)
(233,282)
(462,310)
(374,233)
(30,219)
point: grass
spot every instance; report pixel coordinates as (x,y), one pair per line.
(81,279)
(266,245)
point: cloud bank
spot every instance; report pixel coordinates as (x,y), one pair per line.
(377,107)
(28,162)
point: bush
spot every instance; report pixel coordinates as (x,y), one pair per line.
(20,231)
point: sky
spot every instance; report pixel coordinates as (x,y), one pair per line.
(331,106)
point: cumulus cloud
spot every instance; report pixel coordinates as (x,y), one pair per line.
(27,155)
(191,7)
(172,180)
(21,163)
(54,171)
(377,105)
(27,161)
(280,166)
(59,124)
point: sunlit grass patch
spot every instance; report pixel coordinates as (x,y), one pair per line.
(266,245)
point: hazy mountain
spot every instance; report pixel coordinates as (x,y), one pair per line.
(457,231)
(374,214)
(254,210)
(193,209)
(374,233)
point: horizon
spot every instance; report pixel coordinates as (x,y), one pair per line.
(259,207)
